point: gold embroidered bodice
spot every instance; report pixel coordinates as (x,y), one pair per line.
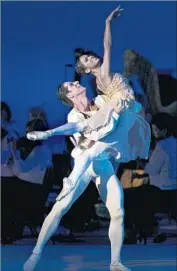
(117,89)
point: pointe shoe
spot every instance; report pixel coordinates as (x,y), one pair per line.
(32,262)
(38,135)
(119,267)
(68,186)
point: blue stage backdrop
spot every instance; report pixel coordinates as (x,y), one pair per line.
(39,38)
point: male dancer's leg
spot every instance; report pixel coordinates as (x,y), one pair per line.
(52,221)
(111,193)
(81,164)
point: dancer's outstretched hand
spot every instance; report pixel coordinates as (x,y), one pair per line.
(114,14)
(38,135)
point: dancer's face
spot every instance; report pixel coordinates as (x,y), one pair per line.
(74,89)
(90,62)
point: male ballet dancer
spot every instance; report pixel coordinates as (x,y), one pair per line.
(107,184)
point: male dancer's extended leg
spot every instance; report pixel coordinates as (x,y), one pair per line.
(111,193)
(52,221)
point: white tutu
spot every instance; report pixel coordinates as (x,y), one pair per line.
(130,138)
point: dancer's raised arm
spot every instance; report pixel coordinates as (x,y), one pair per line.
(105,68)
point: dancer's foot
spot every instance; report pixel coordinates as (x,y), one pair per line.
(119,267)
(32,262)
(68,186)
(38,135)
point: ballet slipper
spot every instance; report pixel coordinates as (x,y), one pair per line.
(119,267)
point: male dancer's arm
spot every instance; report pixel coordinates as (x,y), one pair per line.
(98,133)
(92,130)
(101,118)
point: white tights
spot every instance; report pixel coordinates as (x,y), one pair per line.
(83,161)
(59,209)
(111,193)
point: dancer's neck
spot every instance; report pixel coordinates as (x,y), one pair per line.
(82,104)
(96,72)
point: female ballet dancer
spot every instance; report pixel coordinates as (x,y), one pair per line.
(110,85)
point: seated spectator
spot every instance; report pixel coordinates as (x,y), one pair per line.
(133,174)
(162,167)
(10,185)
(38,113)
(31,162)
